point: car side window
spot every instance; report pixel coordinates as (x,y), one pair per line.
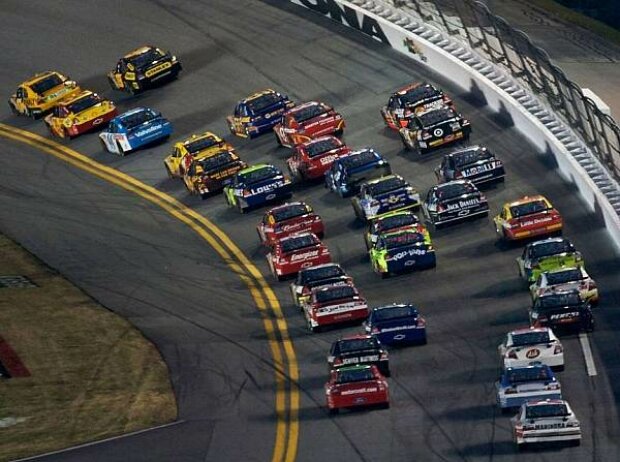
(20,93)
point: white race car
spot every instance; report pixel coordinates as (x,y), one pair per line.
(531,345)
(548,420)
(566,279)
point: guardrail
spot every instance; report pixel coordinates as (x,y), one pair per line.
(443,43)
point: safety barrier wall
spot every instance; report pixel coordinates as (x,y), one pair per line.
(449,55)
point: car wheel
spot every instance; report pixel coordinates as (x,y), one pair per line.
(405,144)
(121,152)
(333,411)
(14,109)
(240,207)
(521,447)
(311,328)
(66,134)
(385,405)
(168,171)
(576,442)
(338,132)
(384,275)
(278,139)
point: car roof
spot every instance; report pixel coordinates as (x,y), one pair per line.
(384,178)
(138,51)
(462,152)
(258,94)
(356,337)
(82,94)
(132,112)
(563,269)
(526,200)
(357,367)
(395,305)
(285,206)
(199,136)
(303,106)
(450,183)
(528,329)
(559,292)
(253,168)
(40,76)
(295,236)
(546,241)
(545,401)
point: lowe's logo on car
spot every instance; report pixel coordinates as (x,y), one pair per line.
(407,253)
(149,130)
(304,256)
(462,204)
(346,16)
(265,188)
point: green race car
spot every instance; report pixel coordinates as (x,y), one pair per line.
(390,222)
(547,255)
(399,251)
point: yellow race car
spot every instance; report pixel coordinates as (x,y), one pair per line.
(86,111)
(144,68)
(37,96)
(195,147)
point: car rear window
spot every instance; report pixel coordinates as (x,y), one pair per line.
(386,185)
(393,241)
(298,242)
(530,338)
(436,116)
(84,103)
(201,144)
(334,293)
(562,277)
(394,312)
(354,375)
(358,159)
(46,84)
(325,272)
(471,156)
(317,148)
(557,300)
(257,175)
(397,221)
(528,209)
(146,58)
(529,374)
(262,102)
(216,161)
(357,344)
(550,248)
(308,112)
(137,118)
(288,212)
(546,410)
(421,92)
(451,190)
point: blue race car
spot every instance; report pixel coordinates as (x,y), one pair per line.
(387,194)
(399,251)
(134,129)
(258,113)
(257,185)
(347,173)
(518,385)
(396,324)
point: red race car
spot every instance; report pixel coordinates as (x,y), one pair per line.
(285,220)
(354,386)
(334,304)
(527,217)
(411,100)
(313,158)
(292,253)
(307,121)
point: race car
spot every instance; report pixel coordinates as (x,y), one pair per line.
(258,113)
(523,347)
(518,385)
(134,129)
(334,304)
(359,349)
(434,128)
(288,219)
(566,279)
(347,173)
(562,310)
(312,159)
(475,163)
(208,175)
(307,121)
(399,251)
(395,324)
(546,255)
(144,68)
(85,112)
(316,276)
(355,386)
(545,421)
(292,253)
(257,185)
(194,147)
(454,201)
(38,95)
(393,221)
(413,99)
(384,195)
(527,217)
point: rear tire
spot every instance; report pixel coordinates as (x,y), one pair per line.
(333,411)
(170,175)
(278,139)
(240,207)
(121,152)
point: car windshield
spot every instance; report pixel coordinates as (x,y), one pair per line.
(358,159)
(419,93)
(540,411)
(385,185)
(83,103)
(146,58)
(261,174)
(309,112)
(317,148)
(334,293)
(137,118)
(395,241)
(471,156)
(528,208)
(201,144)
(289,211)
(558,300)
(357,344)
(544,249)
(354,375)
(216,161)
(530,338)
(529,374)
(452,190)
(397,221)
(298,242)
(394,312)
(260,103)
(436,116)
(323,272)
(562,277)
(46,84)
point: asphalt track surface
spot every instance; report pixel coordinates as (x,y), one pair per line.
(149,268)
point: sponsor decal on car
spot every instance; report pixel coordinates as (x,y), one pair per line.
(359,390)
(361,359)
(304,256)
(408,253)
(393,329)
(462,204)
(157,69)
(149,130)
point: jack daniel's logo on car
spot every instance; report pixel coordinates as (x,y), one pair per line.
(347,16)
(462,204)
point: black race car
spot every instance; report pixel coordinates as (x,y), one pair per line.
(359,349)
(434,128)
(317,276)
(454,201)
(411,100)
(475,163)
(143,68)
(562,310)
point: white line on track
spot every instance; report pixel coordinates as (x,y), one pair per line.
(587,354)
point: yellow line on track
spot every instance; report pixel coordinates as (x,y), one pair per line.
(287,427)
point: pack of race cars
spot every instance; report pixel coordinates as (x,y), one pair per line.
(397,241)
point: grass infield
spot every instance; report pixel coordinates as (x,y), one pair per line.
(92,374)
